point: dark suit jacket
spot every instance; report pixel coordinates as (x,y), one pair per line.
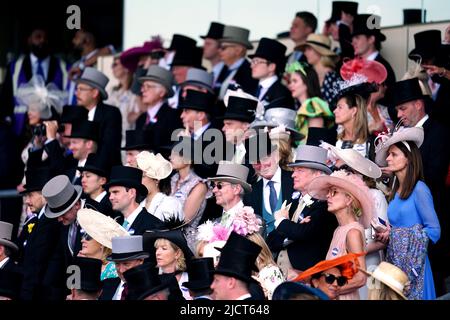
(109,288)
(310,240)
(441,106)
(105,207)
(24,235)
(58,161)
(110,122)
(255,198)
(159,134)
(11,266)
(145,221)
(279,92)
(243,77)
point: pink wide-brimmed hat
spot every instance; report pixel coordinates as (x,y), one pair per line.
(372,70)
(352,184)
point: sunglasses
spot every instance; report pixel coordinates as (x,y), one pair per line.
(330,278)
(86,237)
(219,185)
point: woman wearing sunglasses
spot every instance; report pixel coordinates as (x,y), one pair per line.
(331,275)
(349,200)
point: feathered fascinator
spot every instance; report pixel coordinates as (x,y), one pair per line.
(37,96)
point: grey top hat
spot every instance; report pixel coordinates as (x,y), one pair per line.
(233,173)
(238,35)
(61,195)
(273,117)
(199,77)
(96,79)
(160,75)
(311,157)
(5,235)
(127,248)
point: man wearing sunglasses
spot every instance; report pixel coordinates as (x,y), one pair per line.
(229,187)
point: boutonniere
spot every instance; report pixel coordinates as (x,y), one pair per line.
(131,231)
(308,200)
(30,227)
(154,120)
(295,195)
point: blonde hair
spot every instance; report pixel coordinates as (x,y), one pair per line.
(265,257)
(361,124)
(285,153)
(181,260)
(106,252)
(328,62)
(384,293)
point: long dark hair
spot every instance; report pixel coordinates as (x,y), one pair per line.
(414,170)
(311,80)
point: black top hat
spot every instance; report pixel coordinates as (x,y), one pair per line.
(258,146)
(135,140)
(36,179)
(180,42)
(240,109)
(91,270)
(96,164)
(10,284)
(411,16)
(238,257)
(143,281)
(175,236)
(363,89)
(191,57)
(72,114)
(196,100)
(361,26)
(128,177)
(271,50)
(85,129)
(201,274)
(405,91)
(215,31)
(427,45)
(287,289)
(339,6)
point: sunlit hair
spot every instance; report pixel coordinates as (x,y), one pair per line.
(414,170)
(361,124)
(383,293)
(181,260)
(285,153)
(265,257)
(355,206)
(328,62)
(106,252)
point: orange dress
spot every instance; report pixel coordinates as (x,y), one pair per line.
(338,247)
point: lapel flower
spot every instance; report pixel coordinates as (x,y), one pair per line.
(308,200)
(30,227)
(131,231)
(295,195)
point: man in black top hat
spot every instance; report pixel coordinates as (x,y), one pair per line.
(179,42)
(69,116)
(144,283)
(126,192)
(135,143)
(267,65)
(211,50)
(233,274)
(90,285)
(201,276)
(340,24)
(91,92)
(303,25)
(408,100)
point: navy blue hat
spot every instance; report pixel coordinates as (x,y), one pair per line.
(287,289)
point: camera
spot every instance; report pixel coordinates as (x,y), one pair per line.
(39,130)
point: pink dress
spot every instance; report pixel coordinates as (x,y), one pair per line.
(338,247)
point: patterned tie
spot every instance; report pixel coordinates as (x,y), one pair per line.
(72,235)
(273,198)
(40,70)
(124,294)
(298,216)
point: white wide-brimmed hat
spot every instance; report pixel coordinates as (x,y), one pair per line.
(100,227)
(414,134)
(392,276)
(154,166)
(355,160)
(352,184)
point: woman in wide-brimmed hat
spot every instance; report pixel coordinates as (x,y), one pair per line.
(313,111)
(97,239)
(411,210)
(331,275)
(318,53)
(349,200)
(155,169)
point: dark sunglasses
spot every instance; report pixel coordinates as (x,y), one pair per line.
(219,185)
(329,278)
(87,237)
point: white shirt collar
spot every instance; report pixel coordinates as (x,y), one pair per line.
(41,212)
(3,262)
(200,131)
(268,82)
(133,216)
(245,296)
(422,121)
(276,177)
(154,110)
(100,196)
(91,113)
(237,64)
(372,56)
(217,69)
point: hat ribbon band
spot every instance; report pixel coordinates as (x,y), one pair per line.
(387,279)
(309,161)
(318,44)
(65,205)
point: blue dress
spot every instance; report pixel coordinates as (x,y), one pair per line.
(414,222)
